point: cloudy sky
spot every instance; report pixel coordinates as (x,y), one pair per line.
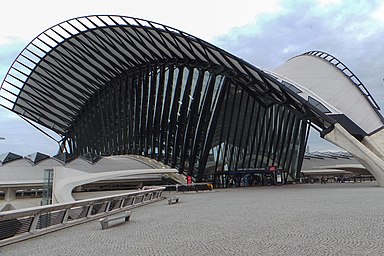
(265,33)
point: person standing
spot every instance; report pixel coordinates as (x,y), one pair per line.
(322,179)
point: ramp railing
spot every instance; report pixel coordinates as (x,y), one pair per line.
(18,225)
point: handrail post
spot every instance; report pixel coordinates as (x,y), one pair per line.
(65,217)
(108,205)
(121,203)
(35,220)
(89,210)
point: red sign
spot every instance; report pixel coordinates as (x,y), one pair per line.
(272,168)
(189,180)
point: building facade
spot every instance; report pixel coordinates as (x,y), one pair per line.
(114,85)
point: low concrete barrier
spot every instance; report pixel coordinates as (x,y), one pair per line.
(121,217)
(173,200)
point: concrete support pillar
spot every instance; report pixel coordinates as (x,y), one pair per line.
(374,164)
(10,194)
(375,143)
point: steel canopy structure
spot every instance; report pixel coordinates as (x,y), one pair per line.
(113,85)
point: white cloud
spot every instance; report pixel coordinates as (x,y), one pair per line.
(379,13)
(328,2)
(202,18)
(4,40)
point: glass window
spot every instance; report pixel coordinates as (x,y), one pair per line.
(291,87)
(318,105)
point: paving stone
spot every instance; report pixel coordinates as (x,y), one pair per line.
(303,219)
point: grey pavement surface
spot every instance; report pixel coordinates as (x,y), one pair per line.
(305,219)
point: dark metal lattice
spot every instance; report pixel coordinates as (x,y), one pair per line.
(121,85)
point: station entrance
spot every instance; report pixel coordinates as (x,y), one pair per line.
(250,177)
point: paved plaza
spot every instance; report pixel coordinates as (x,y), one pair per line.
(305,219)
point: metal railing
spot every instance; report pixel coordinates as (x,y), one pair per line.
(18,225)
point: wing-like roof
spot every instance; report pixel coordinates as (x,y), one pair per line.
(61,69)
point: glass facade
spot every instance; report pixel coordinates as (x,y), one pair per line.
(198,120)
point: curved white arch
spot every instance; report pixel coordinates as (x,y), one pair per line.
(66,179)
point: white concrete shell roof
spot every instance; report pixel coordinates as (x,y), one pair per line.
(327,84)
(333,88)
(331,163)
